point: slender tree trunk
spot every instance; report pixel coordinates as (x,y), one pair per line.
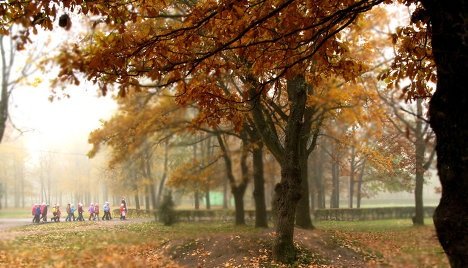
(237,189)
(137,199)
(335,196)
(420,145)
(207,199)
(225,194)
(318,178)
(351,176)
(259,187)
(164,175)
(359,186)
(448,119)
(4,101)
(196,199)
(147,197)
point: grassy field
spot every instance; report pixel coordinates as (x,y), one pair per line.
(15,213)
(395,243)
(139,243)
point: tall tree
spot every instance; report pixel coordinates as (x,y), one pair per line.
(447,113)
(245,29)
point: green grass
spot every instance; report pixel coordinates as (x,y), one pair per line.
(15,213)
(370,226)
(394,243)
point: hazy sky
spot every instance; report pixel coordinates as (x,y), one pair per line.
(62,125)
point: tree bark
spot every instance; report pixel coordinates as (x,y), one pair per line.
(259,187)
(164,175)
(288,190)
(137,200)
(318,178)
(207,199)
(147,198)
(351,176)
(237,189)
(448,119)
(196,199)
(359,185)
(335,196)
(303,219)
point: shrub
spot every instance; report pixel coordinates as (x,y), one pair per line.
(167,213)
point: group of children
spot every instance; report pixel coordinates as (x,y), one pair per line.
(39,212)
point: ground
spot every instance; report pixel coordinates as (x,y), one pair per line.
(142,243)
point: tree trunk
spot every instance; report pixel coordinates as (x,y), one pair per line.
(4,101)
(147,197)
(335,196)
(196,199)
(237,189)
(303,219)
(259,187)
(420,145)
(164,175)
(207,199)
(448,119)
(288,190)
(359,186)
(318,164)
(351,176)
(225,194)
(238,193)
(137,200)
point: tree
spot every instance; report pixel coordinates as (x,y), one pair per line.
(248,30)
(447,116)
(10,78)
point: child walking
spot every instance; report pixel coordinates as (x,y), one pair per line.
(80,212)
(122,212)
(91,212)
(107,214)
(96,211)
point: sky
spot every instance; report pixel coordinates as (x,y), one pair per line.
(60,126)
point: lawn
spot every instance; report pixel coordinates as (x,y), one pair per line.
(15,213)
(395,243)
(140,243)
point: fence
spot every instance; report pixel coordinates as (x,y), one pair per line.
(333,214)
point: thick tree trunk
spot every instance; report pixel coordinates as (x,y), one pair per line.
(288,191)
(420,145)
(259,187)
(303,219)
(448,119)
(238,194)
